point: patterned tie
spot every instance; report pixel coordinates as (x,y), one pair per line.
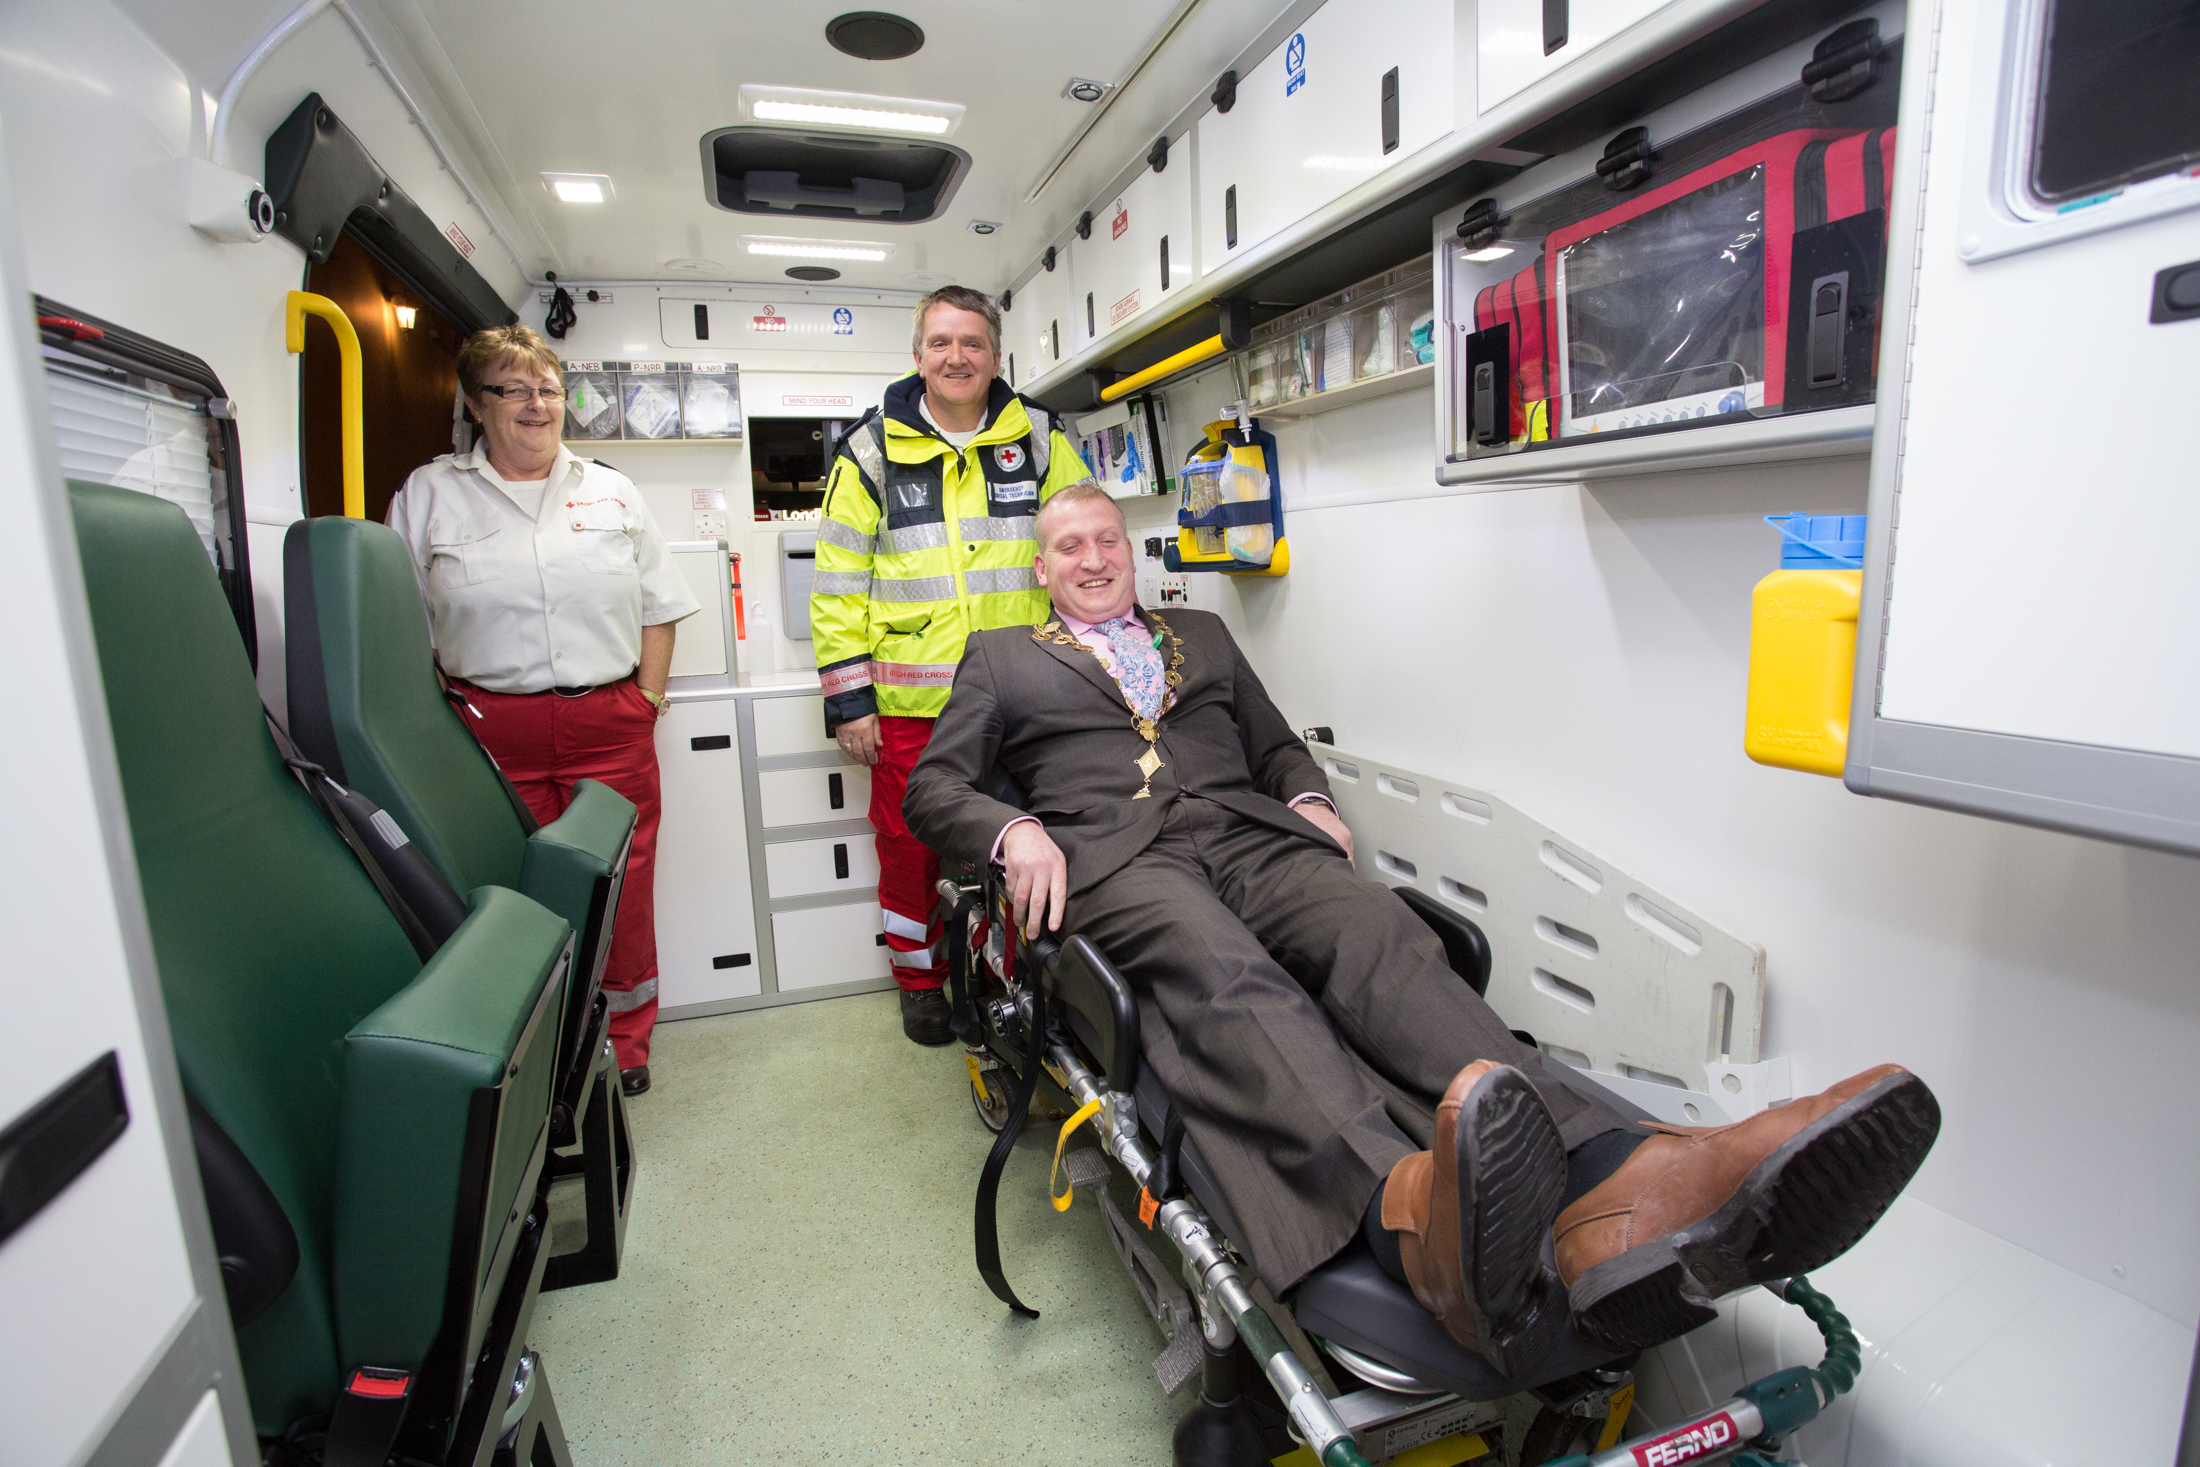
(1137,666)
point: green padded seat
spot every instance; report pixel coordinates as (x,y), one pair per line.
(365,705)
(396,1112)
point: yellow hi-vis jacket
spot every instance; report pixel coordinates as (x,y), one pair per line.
(920,545)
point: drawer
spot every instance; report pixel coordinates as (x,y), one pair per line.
(804,867)
(791,726)
(829,945)
(808,796)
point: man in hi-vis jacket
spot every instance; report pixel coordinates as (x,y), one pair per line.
(926,537)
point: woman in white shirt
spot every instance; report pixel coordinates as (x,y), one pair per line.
(553,604)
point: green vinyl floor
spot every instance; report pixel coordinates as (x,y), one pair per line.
(798,1284)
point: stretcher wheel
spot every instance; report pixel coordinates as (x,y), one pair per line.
(990,1096)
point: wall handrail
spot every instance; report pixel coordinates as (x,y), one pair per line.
(296,307)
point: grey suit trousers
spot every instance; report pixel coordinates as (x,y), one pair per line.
(1303,1020)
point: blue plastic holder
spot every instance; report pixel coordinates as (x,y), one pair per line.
(1820,541)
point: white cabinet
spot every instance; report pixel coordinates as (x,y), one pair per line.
(1510,36)
(834,863)
(1140,250)
(791,726)
(1311,121)
(1036,330)
(706,924)
(809,796)
(824,945)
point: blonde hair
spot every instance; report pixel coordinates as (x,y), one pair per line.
(485,351)
(1083,492)
(962,298)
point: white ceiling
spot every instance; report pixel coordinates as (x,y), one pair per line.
(571,87)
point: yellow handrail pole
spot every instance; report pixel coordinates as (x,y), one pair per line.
(1191,356)
(296,308)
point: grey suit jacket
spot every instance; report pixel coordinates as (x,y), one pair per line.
(1052,719)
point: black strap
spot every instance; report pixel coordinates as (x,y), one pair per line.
(1875,170)
(321,788)
(1810,186)
(989,1180)
(1166,1181)
(464,709)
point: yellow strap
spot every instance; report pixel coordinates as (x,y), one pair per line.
(1615,1425)
(1068,1194)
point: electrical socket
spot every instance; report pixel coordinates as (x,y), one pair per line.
(1173,591)
(710,524)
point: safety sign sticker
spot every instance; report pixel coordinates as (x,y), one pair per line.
(1122,220)
(768,320)
(1123,309)
(1294,64)
(844,321)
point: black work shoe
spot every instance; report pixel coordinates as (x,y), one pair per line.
(924,1015)
(634,1081)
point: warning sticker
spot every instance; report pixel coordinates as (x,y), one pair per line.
(1123,309)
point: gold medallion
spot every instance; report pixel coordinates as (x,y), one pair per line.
(1148,762)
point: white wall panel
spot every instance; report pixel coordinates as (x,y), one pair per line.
(1301,136)
(1509,54)
(1042,319)
(703,909)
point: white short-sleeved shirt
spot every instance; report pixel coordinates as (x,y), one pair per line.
(520,602)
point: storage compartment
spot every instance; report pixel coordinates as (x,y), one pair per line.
(706,922)
(1727,274)
(824,945)
(813,796)
(1033,333)
(1322,114)
(1140,249)
(1517,43)
(791,726)
(703,651)
(651,400)
(1126,445)
(835,863)
(1379,327)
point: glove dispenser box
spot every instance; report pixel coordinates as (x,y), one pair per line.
(797,571)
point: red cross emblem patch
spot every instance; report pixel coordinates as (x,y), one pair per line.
(1010,456)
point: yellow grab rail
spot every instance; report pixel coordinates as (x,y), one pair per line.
(1191,356)
(296,308)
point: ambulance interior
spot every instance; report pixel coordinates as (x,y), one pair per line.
(1704,475)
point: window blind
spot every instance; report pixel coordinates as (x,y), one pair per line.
(115,428)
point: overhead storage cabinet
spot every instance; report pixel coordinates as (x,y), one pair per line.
(1519,42)
(1035,328)
(1120,271)
(1321,115)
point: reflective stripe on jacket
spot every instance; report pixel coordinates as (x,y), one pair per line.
(920,545)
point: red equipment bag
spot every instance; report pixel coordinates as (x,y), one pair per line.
(1750,284)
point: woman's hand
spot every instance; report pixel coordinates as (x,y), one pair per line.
(860,739)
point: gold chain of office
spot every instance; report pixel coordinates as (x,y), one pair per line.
(1150,761)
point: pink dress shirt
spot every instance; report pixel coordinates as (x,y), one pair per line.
(1089,634)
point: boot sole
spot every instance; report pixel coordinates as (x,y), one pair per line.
(1508,1145)
(1802,1207)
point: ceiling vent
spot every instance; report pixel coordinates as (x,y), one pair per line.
(786,172)
(814,274)
(874,35)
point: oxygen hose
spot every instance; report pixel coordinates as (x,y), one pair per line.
(1761,1412)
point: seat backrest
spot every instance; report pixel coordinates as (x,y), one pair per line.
(270,940)
(364,703)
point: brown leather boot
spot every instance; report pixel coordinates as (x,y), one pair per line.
(1700,1211)
(1471,1217)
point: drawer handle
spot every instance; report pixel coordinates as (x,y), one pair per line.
(708,742)
(729,960)
(840,862)
(836,794)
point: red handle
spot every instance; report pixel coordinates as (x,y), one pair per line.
(81,330)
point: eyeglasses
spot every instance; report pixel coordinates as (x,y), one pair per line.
(521,394)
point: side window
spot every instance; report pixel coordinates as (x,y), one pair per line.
(134,413)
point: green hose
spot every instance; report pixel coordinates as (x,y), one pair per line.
(1844,1356)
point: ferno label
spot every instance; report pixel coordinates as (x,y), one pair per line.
(1689,1443)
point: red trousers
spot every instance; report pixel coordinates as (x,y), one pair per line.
(545,743)
(908,872)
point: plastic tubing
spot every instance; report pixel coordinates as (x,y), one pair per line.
(1191,356)
(296,307)
(1844,1356)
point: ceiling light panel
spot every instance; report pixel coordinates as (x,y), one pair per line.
(579,188)
(849,111)
(815,249)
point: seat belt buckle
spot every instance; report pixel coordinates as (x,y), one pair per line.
(368,1417)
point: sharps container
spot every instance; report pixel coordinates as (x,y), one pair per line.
(1802,644)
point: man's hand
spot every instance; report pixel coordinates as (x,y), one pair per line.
(860,740)
(1038,877)
(1324,819)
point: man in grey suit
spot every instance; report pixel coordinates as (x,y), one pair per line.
(1337,1078)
